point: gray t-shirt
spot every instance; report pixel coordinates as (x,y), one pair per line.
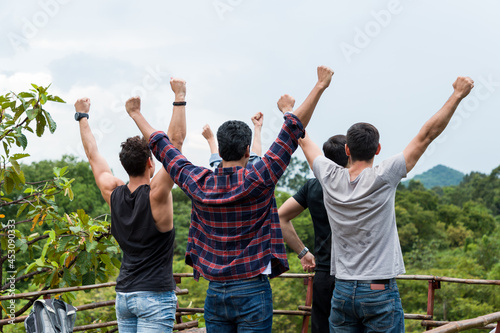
(363,219)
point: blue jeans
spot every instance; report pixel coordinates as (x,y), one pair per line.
(145,311)
(239,306)
(358,308)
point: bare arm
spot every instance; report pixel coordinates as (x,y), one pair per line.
(305,110)
(162,183)
(438,122)
(104,178)
(258,121)
(288,211)
(133,107)
(310,149)
(209,136)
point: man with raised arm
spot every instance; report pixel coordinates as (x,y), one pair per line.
(310,196)
(141,222)
(235,240)
(360,204)
(256,148)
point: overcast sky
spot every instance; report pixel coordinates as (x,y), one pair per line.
(394,63)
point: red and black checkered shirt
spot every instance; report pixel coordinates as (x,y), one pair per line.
(235,229)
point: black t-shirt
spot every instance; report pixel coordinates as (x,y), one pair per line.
(311,196)
(147,252)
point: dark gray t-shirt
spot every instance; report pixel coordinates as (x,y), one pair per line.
(363,219)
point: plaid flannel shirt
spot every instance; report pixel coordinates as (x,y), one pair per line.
(235,230)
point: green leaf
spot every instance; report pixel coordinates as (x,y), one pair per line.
(91,245)
(9,184)
(43,98)
(117,263)
(26,95)
(32,113)
(55,99)
(30,267)
(39,262)
(20,210)
(52,235)
(52,123)
(88,278)
(75,229)
(22,141)
(40,124)
(105,259)
(18,156)
(34,86)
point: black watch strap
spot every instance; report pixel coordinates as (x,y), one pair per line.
(80,115)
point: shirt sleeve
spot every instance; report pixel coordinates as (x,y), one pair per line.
(323,168)
(393,168)
(274,162)
(215,160)
(183,172)
(301,195)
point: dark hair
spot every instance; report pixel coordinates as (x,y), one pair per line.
(234,137)
(134,155)
(362,140)
(334,149)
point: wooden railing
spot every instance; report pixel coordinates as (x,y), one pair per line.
(434,283)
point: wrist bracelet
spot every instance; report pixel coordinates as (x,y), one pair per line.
(303,253)
(179,103)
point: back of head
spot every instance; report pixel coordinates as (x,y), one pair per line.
(134,155)
(362,140)
(234,137)
(334,149)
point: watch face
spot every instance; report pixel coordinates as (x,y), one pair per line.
(77,116)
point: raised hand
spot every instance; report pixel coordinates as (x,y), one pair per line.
(463,85)
(82,105)
(133,105)
(324,76)
(179,88)
(258,119)
(286,103)
(207,132)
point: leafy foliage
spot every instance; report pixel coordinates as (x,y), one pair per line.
(53,247)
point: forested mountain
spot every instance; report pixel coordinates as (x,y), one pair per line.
(439,175)
(445,231)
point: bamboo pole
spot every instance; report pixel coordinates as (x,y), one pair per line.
(458,326)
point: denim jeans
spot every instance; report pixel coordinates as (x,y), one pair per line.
(145,311)
(239,306)
(356,308)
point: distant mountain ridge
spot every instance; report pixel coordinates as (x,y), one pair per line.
(439,175)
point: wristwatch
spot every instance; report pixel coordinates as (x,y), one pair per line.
(303,252)
(80,115)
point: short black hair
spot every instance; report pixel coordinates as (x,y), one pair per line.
(334,149)
(134,155)
(234,137)
(362,140)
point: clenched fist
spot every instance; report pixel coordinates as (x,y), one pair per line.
(286,103)
(179,88)
(82,105)
(324,76)
(258,119)
(133,105)
(463,85)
